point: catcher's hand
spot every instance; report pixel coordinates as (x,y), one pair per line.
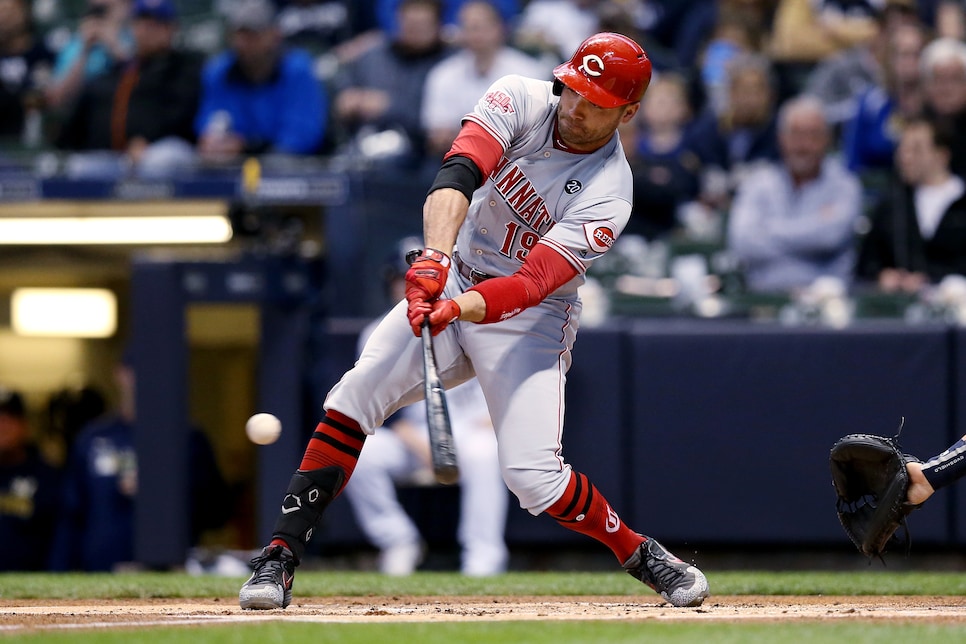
(870,478)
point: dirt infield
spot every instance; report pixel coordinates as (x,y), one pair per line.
(27,615)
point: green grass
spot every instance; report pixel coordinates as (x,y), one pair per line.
(328,584)
(34,587)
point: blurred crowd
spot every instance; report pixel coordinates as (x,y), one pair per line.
(814,138)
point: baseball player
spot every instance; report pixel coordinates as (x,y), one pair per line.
(533,190)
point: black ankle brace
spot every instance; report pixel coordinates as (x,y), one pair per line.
(947,467)
(309,493)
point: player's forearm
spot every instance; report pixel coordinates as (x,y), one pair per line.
(443,214)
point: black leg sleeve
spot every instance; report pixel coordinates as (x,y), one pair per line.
(309,493)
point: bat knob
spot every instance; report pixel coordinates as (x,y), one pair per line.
(447,474)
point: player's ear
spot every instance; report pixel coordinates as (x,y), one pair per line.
(630,111)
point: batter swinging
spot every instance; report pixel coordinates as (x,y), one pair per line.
(534,189)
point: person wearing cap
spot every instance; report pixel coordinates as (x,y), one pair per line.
(137,118)
(534,189)
(259,97)
(29,491)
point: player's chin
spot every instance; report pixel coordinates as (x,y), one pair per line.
(571,133)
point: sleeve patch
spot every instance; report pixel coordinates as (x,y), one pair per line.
(498,102)
(600,237)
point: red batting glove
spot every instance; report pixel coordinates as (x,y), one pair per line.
(444,312)
(426,276)
(417,312)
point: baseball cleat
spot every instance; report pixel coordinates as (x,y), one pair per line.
(678,582)
(270,585)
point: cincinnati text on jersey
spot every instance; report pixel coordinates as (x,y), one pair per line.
(522,197)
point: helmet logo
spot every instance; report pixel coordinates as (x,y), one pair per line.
(592,65)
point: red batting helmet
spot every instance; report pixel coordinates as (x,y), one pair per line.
(609,70)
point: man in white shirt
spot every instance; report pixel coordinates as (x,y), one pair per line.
(455,84)
(793,221)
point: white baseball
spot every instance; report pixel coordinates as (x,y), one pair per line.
(263,429)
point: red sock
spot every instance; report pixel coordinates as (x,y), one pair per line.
(337,441)
(582,508)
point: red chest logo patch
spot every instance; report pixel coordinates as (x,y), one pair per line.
(600,237)
(498,102)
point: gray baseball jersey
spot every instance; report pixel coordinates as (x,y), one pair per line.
(577,204)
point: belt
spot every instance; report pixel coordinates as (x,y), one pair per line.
(473,275)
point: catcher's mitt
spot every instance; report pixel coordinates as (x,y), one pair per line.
(870,478)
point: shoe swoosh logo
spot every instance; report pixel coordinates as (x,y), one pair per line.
(286,580)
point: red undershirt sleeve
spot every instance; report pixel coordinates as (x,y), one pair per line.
(544,271)
(478,145)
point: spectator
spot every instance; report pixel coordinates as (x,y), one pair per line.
(552,29)
(319,26)
(387,13)
(727,143)
(29,491)
(333,32)
(733,34)
(625,18)
(811,30)
(455,84)
(841,78)
(137,118)
(259,97)
(793,221)
(382,91)
(918,233)
(870,135)
(102,41)
(682,26)
(25,68)
(806,32)
(665,173)
(96,528)
(949,19)
(943,71)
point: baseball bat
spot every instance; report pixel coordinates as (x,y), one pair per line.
(437,416)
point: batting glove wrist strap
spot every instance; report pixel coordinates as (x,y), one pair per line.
(434,255)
